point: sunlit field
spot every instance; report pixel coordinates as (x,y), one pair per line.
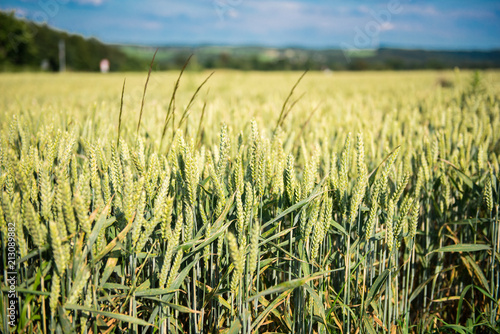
(349,203)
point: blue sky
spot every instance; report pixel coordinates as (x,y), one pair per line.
(443,24)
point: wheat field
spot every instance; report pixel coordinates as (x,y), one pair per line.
(247,202)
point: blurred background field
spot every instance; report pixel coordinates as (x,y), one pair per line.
(341,99)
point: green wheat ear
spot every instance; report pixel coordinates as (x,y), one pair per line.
(488,195)
(37,231)
(218,187)
(175,268)
(415,211)
(237,255)
(289,179)
(224,148)
(373,213)
(390,225)
(319,230)
(55,290)
(3,223)
(240,217)
(58,251)
(254,246)
(78,285)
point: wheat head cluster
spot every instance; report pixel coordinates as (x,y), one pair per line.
(372,213)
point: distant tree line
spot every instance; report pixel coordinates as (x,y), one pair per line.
(25,45)
(335,60)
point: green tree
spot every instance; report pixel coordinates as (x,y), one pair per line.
(16,41)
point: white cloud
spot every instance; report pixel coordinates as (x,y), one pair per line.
(90,2)
(168,9)
(233,13)
(386,26)
(427,11)
(20,12)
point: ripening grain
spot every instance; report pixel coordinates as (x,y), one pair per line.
(231,217)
